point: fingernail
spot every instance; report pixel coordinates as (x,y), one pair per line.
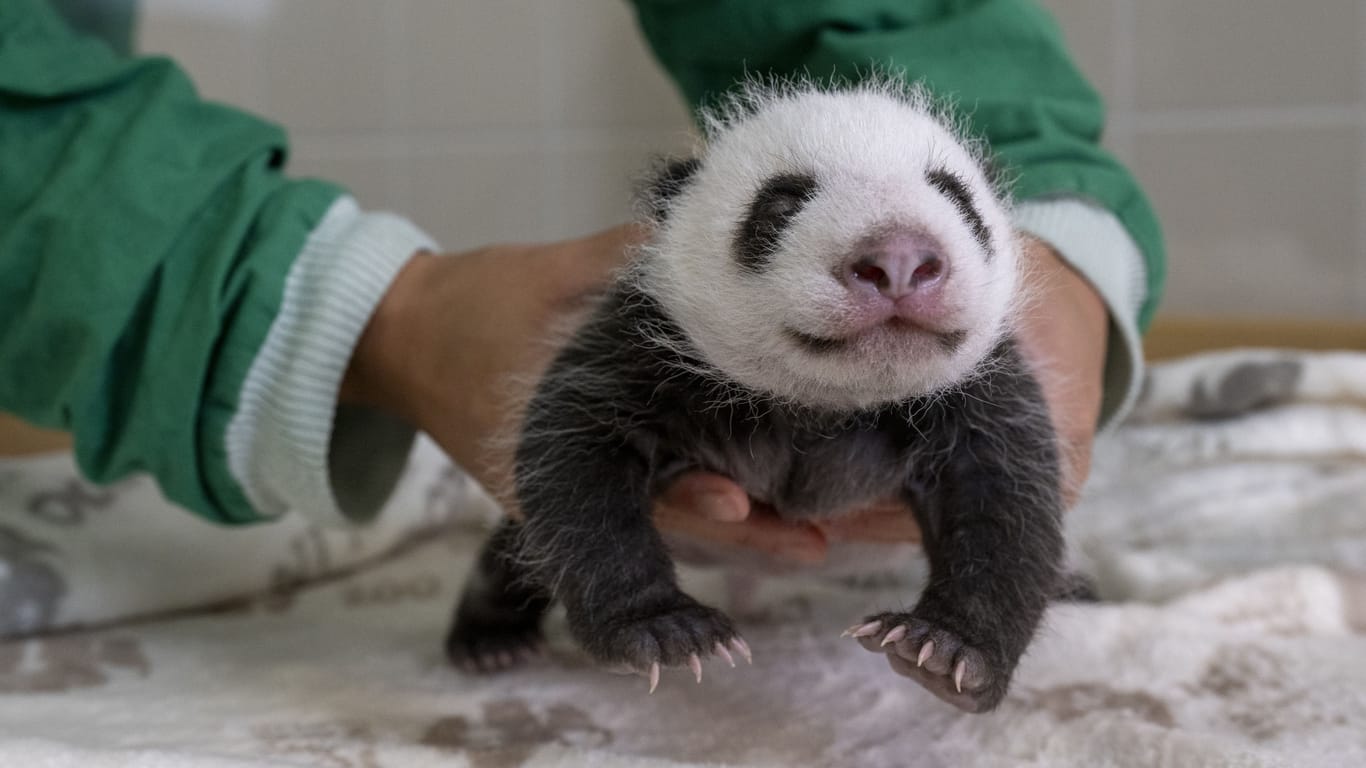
(719,506)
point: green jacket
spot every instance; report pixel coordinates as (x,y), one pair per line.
(145,236)
(149,239)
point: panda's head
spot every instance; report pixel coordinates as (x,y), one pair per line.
(833,248)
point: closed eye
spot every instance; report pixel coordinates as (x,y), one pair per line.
(774,206)
(951,186)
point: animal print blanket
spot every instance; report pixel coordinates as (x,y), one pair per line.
(1225,526)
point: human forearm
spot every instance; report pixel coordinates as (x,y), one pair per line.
(449,337)
(148,244)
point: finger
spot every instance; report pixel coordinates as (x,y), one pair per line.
(714,497)
(890,523)
(760,532)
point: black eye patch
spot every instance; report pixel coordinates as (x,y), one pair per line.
(951,186)
(778,200)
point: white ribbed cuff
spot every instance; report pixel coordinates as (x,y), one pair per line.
(289,445)
(1093,242)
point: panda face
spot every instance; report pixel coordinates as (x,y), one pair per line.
(834,248)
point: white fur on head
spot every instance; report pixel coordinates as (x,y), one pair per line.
(869,148)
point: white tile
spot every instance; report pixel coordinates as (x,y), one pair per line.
(601,72)
(1258,221)
(376,177)
(218,49)
(467,196)
(595,185)
(473,63)
(327,65)
(1247,53)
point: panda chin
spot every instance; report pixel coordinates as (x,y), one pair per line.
(851,383)
(894,337)
(879,366)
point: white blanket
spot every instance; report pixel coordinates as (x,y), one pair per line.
(1233,552)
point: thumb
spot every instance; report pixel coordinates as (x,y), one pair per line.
(713,509)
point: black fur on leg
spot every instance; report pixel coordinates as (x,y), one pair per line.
(623,410)
(990,511)
(586,489)
(498,620)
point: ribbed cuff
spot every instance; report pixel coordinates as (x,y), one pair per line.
(1093,242)
(289,445)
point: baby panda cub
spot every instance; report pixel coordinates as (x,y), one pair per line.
(822,314)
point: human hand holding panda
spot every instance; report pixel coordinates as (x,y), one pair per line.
(823,313)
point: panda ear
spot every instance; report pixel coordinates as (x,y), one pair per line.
(668,178)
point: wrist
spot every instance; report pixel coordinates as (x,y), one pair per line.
(449,346)
(382,369)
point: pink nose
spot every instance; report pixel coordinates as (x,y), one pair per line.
(897,266)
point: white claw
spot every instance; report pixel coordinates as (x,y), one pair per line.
(654,676)
(725,654)
(958,675)
(896,634)
(695,664)
(926,651)
(867,630)
(743,647)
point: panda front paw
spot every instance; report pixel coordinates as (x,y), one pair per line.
(960,671)
(676,632)
(481,645)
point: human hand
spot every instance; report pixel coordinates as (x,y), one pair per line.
(1064,332)
(454,332)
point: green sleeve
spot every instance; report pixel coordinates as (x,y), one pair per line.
(1002,61)
(145,236)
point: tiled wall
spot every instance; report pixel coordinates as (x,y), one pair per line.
(490,120)
(1246,122)
(483,120)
